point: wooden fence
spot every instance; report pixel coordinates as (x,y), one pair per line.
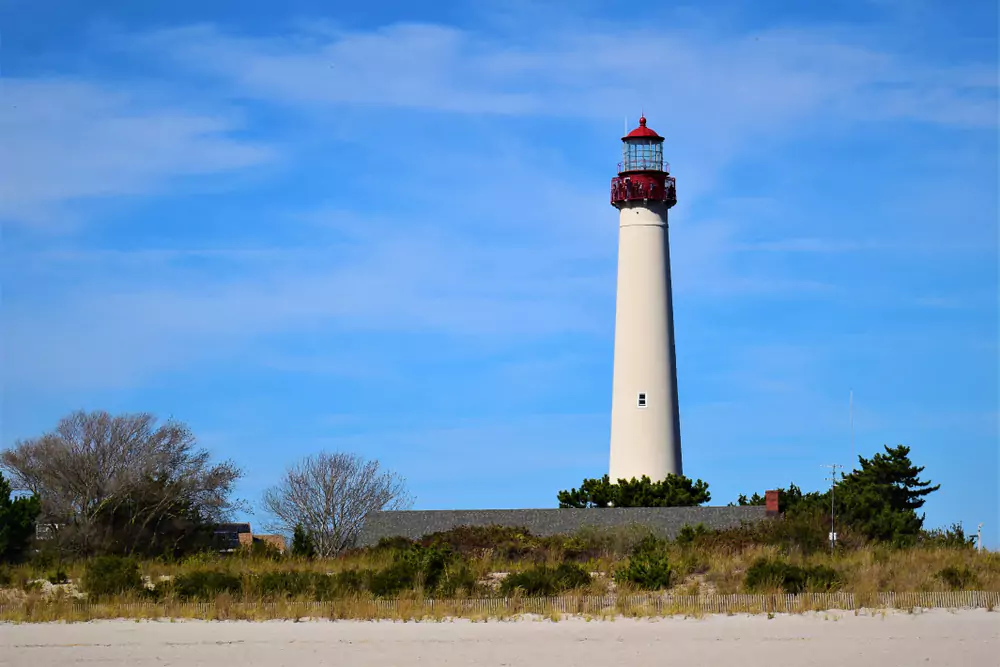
(650,604)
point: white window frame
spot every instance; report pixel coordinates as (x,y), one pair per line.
(641,400)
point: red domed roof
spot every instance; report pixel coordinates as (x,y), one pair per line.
(642,131)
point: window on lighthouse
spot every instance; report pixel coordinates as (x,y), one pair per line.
(641,401)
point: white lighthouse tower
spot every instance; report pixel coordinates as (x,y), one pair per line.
(645,423)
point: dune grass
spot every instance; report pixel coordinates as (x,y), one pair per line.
(461,575)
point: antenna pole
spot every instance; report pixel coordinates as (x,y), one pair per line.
(833,508)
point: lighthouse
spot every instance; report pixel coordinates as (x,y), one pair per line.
(645,421)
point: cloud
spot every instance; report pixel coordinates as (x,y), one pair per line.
(136,317)
(68,140)
(524,256)
(730,83)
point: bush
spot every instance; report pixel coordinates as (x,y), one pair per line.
(417,566)
(767,574)
(340,585)
(952,537)
(399,576)
(111,575)
(687,535)
(284,584)
(396,543)
(303,545)
(458,579)
(647,570)
(542,580)
(804,531)
(58,577)
(261,550)
(506,542)
(958,578)
(205,585)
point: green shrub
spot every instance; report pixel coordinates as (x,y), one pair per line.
(339,585)
(417,566)
(261,550)
(396,543)
(650,544)
(458,578)
(6,576)
(205,585)
(111,575)
(958,578)
(284,584)
(506,542)
(543,580)
(303,545)
(400,576)
(58,577)
(649,570)
(687,535)
(952,537)
(767,574)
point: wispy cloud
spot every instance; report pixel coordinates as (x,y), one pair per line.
(747,81)
(67,140)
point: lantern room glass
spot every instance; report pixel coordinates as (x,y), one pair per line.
(642,155)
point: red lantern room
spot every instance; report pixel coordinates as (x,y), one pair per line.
(642,174)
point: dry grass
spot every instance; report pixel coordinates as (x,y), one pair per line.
(705,581)
(35,610)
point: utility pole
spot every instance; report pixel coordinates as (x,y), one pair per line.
(833,508)
(979,537)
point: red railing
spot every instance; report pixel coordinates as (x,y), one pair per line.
(637,188)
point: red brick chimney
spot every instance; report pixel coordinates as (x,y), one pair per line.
(771,503)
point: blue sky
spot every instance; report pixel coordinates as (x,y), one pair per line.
(385,230)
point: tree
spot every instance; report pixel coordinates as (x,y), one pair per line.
(17,523)
(791,499)
(673,491)
(882,497)
(123,484)
(330,495)
(878,501)
(302,543)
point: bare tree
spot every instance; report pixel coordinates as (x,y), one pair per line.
(330,495)
(121,483)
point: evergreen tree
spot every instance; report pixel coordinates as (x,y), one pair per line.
(302,543)
(881,499)
(674,491)
(878,501)
(17,523)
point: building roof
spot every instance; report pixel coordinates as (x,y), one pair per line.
(642,132)
(232,528)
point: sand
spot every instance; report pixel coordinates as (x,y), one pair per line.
(968,638)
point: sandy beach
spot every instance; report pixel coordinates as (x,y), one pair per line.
(938,637)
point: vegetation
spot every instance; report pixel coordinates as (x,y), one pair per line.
(328,496)
(878,502)
(648,567)
(766,574)
(108,576)
(123,485)
(135,505)
(302,542)
(17,523)
(543,580)
(674,491)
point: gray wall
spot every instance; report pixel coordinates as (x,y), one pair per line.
(666,521)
